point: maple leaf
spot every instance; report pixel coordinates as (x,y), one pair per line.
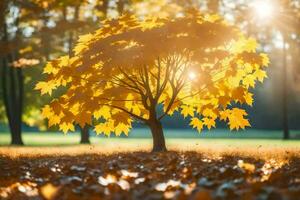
(209,122)
(260,75)
(196,123)
(104,112)
(105,128)
(237,120)
(238,94)
(249,98)
(45,87)
(207,112)
(136,110)
(122,128)
(83,118)
(265,59)
(224,101)
(250,45)
(79,48)
(187,111)
(49,69)
(64,61)
(224,114)
(47,112)
(65,127)
(249,81)
(53,120)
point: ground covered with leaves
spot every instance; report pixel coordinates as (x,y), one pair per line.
(140,175)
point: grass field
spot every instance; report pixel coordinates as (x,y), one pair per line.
(52,138)
(58,143)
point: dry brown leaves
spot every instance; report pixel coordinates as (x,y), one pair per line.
(140,175)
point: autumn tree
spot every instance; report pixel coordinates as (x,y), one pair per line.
(196,64)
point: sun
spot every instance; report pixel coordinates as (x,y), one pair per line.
(192,76)
(263,9)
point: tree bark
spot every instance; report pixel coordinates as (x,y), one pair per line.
(85,135)
(285,119)
(159,144)
(12,88)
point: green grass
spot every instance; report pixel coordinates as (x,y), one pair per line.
(140,137)
(57,144)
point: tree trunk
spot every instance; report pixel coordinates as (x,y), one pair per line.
(16,137)
(285,120)
(12,86)
(158,137)
(85,135)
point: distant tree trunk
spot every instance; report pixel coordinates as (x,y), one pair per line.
(12,87)
(159,144)
(120,6)
(285,121)
(104,8)
(85,135)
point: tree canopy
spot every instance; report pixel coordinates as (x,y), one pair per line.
(196,64)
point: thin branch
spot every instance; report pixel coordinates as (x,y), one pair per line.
(128,112)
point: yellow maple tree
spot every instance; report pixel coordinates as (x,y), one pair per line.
(196,64)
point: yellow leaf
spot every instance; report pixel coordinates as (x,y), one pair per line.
(53,120)
(224,114)
(207,112)
(49,69)
(209,122)
(83,118)
(104,112)
(85,38)
(187,111)
(45,87)
(79,48)
(249,98)
(122,128)
(106,128)
(237,120)
(136,110)
(249,81)
(250,45)
(197,123)
(47,112)
(49,191)
(65,127)
(64,61)
(265,59)
(248,167)
(260,75)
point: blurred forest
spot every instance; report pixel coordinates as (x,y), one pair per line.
(35,31)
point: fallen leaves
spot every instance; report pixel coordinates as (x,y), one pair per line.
(49,191)
(142,175)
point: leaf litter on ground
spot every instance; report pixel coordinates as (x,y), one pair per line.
(140,175)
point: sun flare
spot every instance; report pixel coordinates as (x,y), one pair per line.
(192,76)
(263,9)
